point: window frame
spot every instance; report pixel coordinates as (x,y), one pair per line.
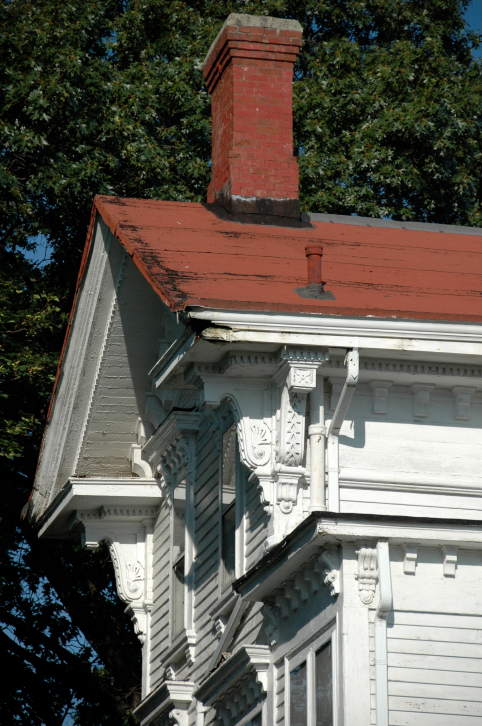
(226,579)
(306,652)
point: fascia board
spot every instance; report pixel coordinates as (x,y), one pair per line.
(94,493)
(171,358)
(397,530)
(364,333)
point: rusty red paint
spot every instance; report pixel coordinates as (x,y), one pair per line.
(191,257)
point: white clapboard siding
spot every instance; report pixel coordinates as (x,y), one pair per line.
(388,501)
(249,627)
(160,609)
(435,669)
(256,524)
(279,694)
(206,527)
(127,354)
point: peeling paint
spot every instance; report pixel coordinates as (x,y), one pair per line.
(192,256)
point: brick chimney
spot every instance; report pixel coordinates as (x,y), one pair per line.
(249,72)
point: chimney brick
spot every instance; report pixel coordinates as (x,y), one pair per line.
(249,71)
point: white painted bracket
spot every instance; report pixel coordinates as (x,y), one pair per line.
(352,373)
(450,557)
(367,575)
(128,531)
(139,467)
(410,559)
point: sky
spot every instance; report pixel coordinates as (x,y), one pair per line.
(474,19)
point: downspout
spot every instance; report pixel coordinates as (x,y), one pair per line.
(316,434)
(353,366)
(385,606)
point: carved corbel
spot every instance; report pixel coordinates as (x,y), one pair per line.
(297,379)
(330,560)
(367,575)
(128,532)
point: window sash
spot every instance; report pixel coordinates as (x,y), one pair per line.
(307,655)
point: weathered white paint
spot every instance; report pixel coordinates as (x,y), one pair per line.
(342,405)
(398,596)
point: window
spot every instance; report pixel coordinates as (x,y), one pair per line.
(231,510)
(309,685)
(177,575)
(228,506)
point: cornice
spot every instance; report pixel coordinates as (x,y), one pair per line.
(364,326)
(93,494)
(413,369)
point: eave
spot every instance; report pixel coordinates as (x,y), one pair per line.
(92,494)
(326,529)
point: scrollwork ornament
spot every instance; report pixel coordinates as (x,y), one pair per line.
(367,575)
(177,717)
(134,578)
(292,427)
(254,442)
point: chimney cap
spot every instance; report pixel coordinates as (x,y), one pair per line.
(242,20)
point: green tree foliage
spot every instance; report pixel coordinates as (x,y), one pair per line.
(106,96)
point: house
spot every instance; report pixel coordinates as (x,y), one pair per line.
(275,422)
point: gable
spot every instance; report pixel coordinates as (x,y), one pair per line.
(118,329)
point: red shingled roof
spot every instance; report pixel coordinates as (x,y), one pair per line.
(191,257)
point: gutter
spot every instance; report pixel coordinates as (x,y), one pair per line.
(337,331)
(352,360)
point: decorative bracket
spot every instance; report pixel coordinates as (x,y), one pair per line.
(367,575)
(331,559)
(410,559)
(450,560)
(139,466)
(297,376)
(128,532)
